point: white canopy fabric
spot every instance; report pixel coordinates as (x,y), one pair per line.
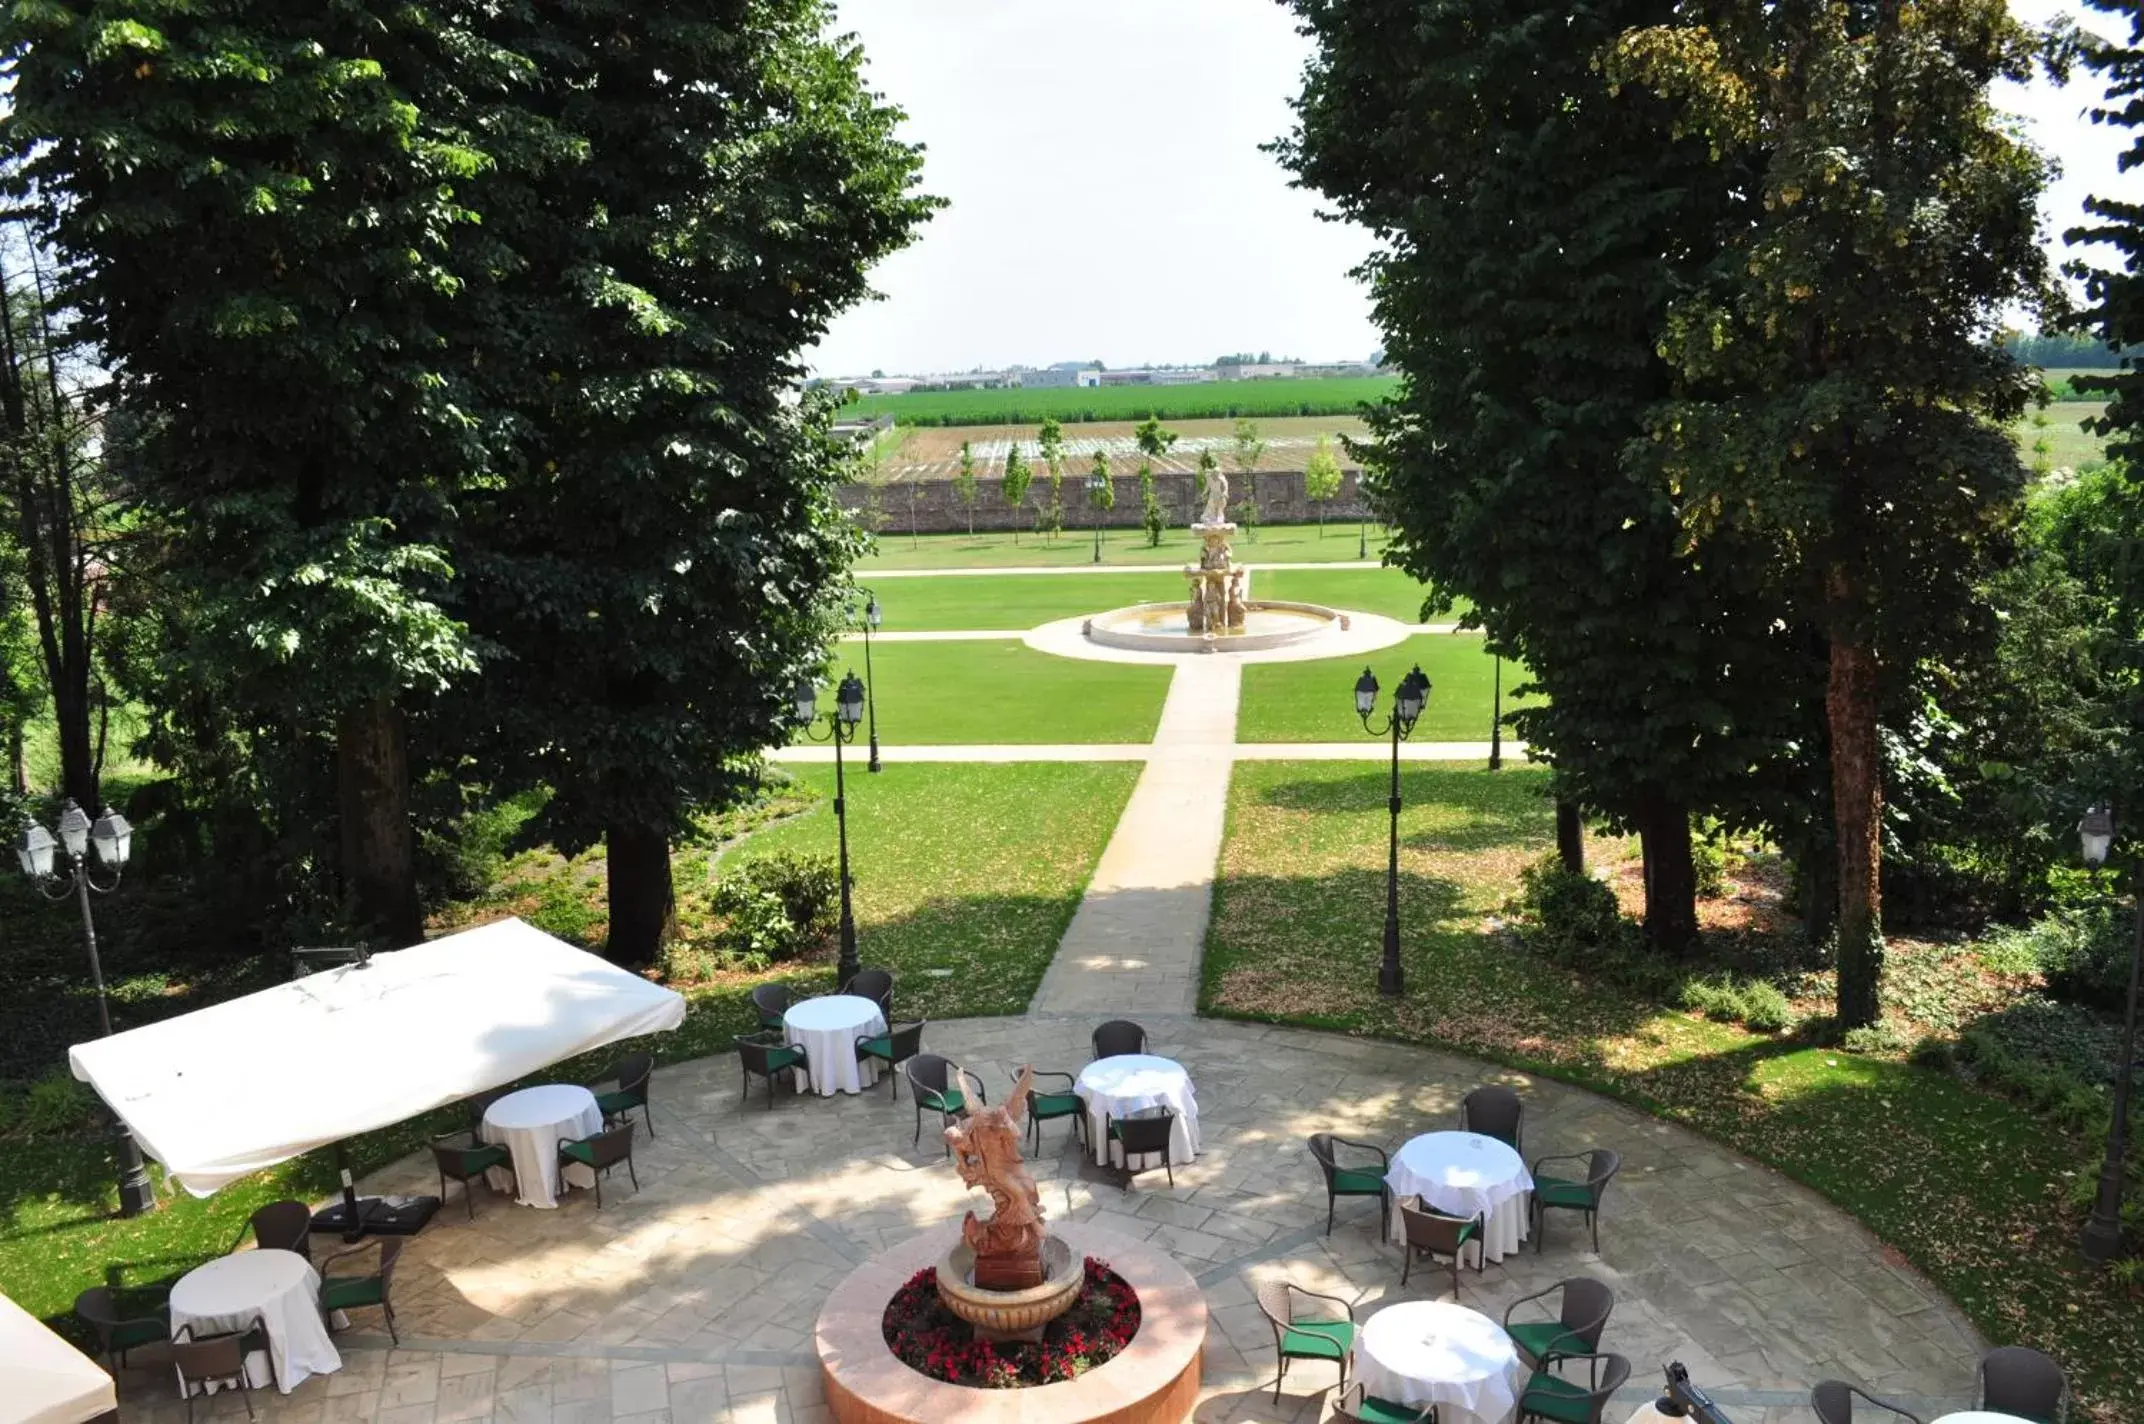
(243,1085)
(43,1379)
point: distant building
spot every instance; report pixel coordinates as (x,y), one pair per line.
(1264,371)
(1060,377)
(881,385)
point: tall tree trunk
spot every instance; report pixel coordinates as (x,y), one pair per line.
(378,849)
(643,900)
(72,719)
(1850,704)
(1570,836)
(18,762)
(1670,872)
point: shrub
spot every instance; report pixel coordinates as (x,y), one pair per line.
(57,1103)
(1878,1038)
(1756,1003)
(1708,859)
(776,907)
(1764,1007)
(1575,921)
(2082,952)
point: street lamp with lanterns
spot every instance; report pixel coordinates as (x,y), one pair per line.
(1097,485)
(1408,700)
(841,720)
(61,867)
(872,616)
(1496,718)
(2102,1239)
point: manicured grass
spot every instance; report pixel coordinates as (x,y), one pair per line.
(1017,602)
(1001,690)
(1971,1188)
(1276,543)
(1314,701)
(1198,400)
(972,869)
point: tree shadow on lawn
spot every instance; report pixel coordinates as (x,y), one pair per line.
(1475,809)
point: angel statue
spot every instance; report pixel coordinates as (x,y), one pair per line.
(1216,499)
(986,1149)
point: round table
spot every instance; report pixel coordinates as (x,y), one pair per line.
(1980,1416)
(1435,1352)
(528,1124)
(1126,1083)
(1464,1174)
(278,1288)
(827,1028)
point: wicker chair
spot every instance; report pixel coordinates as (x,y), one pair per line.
(283,1226)
(1832,1401)
(771,1001)
(1431,1233)
(1117,1037)
(766,1055)
(1361,1407)
(899,1043)
(1044,1105)
(930,1083)
(464,1162)
(600,1153)
(1308,1332)
(1344,1181)
(632,1075)
(2019,1380)
(1554,1399)
(116,1334)
(875,985)
(1145,1133)
(202,1361)
(353,1292)
(1584,1308)
(1495,1112)
(1563,1194)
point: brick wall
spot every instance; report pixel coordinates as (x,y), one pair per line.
(928,506)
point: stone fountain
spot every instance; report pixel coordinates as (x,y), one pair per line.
(1220,615)
(1007,1277)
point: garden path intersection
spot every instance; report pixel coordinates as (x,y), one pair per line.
(694,1297)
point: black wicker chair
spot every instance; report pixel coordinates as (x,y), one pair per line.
(1563,1194)
(1346,1181)
(98,1308)
(462,1161)
(898,1044)
(1581,1317)
(1117,1037)
(1493,1111)
(1144,1134)
(2017,1379)
(875,985)
(771,1001)
(931,1083)
(1430,1232)
(633,1074)
(1832,1401)
(601,1152)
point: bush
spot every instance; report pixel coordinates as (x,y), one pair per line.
(1764,1007)
(1708,860)
(1575,921)
(1755,1003)
(2082,952)
(776,907)
(1875,1039)
(57,1104)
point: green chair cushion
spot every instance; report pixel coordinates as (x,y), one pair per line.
(1535,1338)
(619,1101)
(1558,1399)
(475,1159)
(1056,1104)
(338,1293)
(780,1058)
(1318,1339)
(881,1047)
(129,1333)
(1357,1182)
(1373,1410)
(948,1101)
(1554,1191)
(579,1152)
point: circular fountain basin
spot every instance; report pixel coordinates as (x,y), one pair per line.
(1016,1314)
(1166,628)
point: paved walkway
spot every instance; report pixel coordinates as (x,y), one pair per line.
(1368,749)
(874,575)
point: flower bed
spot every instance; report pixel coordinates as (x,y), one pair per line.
(928,1338)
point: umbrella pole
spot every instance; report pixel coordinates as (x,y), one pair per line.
(353,1218)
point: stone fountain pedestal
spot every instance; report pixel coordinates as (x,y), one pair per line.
(1220,587)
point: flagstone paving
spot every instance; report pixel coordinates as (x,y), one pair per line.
(693,1298)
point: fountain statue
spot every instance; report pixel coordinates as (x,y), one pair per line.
(1216,499)
(1008,1277)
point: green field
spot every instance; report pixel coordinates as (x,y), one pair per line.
(1017,602)
(1313,701)
(1002,691)
(1207,400)
(2068,444)
(1124,548)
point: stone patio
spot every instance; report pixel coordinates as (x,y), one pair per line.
(693,1298)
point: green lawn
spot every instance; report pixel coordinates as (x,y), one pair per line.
(973,869)
(1970,1187)
(1314,701)
(1201,400)
(2069,445)
(1001,690)
(1277,544)
(1017,602)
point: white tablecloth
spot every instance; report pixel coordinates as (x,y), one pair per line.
(529,1124)
(827,1028)
(1434,1352)
(1122,1085)
(1464,1174)
(1980,1416)
(280,1288)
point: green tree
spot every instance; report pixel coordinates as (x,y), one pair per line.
(1248,450)
(1839,395)
(964,491)
(1050,437)
(664,558)
(1526,370)
(1154,441)
(1012,486)
(268,262)
(1321,479)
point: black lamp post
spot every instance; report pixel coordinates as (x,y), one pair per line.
(841,723)
(113,840)
(1496,720)
(1095,485)
(872,616)
(1408,701)
(2102,1239)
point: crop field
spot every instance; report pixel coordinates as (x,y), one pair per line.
(933,453)
(1207,400)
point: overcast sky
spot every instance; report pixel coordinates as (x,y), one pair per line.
(1110,202)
